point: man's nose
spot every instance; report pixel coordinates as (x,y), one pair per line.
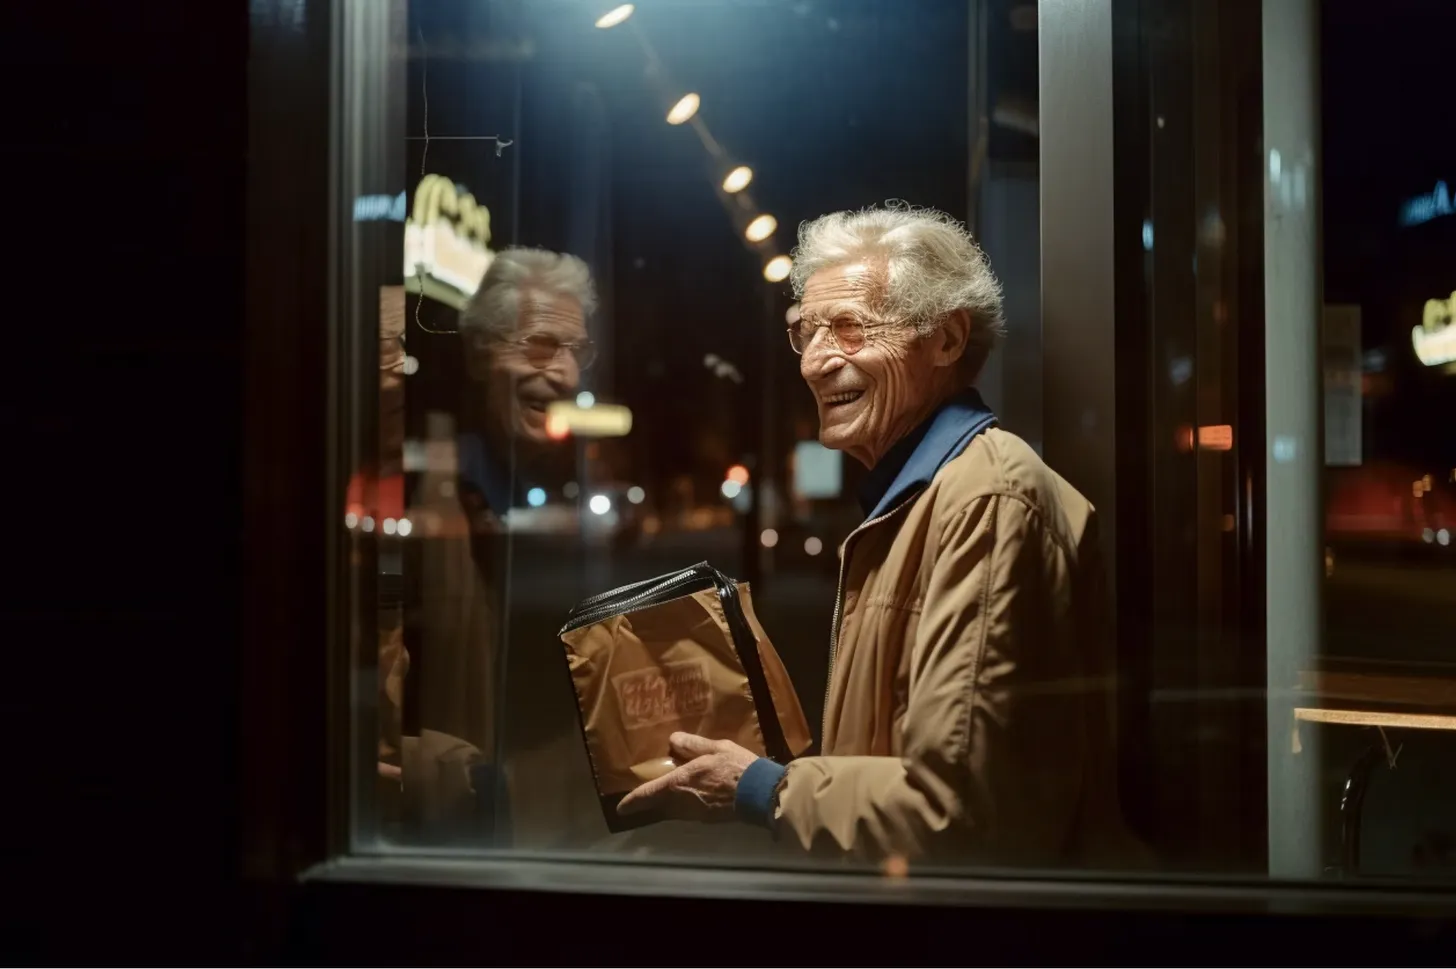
(821,357)
(563,373)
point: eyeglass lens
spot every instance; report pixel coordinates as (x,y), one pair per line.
(542,350)
(848,334)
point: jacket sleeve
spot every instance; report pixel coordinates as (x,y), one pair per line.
(439,785)
(991,749)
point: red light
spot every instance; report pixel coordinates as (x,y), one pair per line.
(1183,439)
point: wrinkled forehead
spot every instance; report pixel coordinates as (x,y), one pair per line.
(551,314)
(852,288)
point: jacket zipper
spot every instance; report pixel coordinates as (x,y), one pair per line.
(839,602)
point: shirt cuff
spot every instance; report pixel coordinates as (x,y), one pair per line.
(754,800)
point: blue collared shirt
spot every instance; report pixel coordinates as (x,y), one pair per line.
(482,471)
(907,468)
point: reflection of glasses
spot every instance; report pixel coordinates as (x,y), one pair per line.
(541,351)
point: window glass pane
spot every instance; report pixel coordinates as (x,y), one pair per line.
(1389,368)
(570,229)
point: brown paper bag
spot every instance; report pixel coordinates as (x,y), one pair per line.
(680,652)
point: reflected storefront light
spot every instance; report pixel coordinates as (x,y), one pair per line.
(761,228)
(737,180)
(615,16)
(683,111)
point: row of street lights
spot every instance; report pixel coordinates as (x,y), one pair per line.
(760,227)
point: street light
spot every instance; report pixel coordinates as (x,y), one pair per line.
(686,107)
(615,16)
(776,270)
(738,179)
(761,228)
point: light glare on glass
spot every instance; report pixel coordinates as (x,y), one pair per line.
(600,504)
(686,107)
(761,228)
(738,179)
(776,270)
(615,16)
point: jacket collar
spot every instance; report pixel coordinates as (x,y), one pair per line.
(916,458)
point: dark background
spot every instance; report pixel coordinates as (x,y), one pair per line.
(123,413)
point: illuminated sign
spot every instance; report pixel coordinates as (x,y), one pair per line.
(1209,437)
(446,239)
(1216,437)
(379,208)
(1424,208)
(1344,391)
(564,417)
(818,471)
(1435,339)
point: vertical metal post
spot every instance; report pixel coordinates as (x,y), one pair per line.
(1078,334)
(1292,302)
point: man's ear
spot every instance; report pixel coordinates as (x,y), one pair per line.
(951,339)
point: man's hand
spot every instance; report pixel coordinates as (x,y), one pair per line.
(702,788)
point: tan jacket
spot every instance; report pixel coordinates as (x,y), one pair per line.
(969,708)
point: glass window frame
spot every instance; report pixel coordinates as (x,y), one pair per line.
(299,739)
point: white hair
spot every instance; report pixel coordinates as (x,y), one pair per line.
(492,311)
(935,267)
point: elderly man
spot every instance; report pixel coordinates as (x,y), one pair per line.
(967,716)
(525,344)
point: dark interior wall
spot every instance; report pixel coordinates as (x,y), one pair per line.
(125,158)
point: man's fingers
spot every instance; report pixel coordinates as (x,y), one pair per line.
(646,796)
(689,746)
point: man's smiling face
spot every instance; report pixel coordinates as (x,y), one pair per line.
(872,397)
(520,387)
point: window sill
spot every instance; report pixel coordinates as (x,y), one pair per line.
(1069,892)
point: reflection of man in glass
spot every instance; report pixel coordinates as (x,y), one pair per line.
(525,344)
